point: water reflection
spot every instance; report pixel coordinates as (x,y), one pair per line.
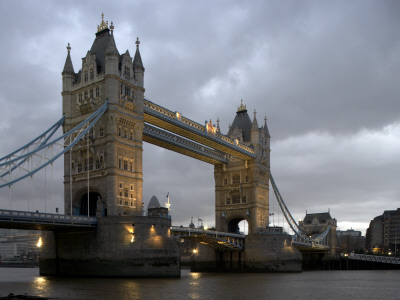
(40,285)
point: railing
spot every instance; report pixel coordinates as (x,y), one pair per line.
(375,258)
(222,240)
(41,217)
(176,116)
(184,143)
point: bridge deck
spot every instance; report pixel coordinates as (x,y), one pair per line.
(174,122)
(45,221)
(215,239)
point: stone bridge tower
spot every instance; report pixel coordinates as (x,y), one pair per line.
(242,187)
(110,157)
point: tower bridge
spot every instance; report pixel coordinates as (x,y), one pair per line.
(105,120)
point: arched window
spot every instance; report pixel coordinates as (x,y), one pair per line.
(236,179)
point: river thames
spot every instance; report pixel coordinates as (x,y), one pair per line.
(306,285)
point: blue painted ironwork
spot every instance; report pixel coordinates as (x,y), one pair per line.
(300,237)
(215,239)
(65,142)
(166,115)
(33,219)
(180,142)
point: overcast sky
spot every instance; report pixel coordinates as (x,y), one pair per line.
(326,74)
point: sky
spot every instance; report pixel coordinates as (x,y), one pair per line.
(325,74)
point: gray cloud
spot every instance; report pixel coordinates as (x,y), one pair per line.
(324,73)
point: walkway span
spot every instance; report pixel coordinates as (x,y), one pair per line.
(45,221)
(215,239)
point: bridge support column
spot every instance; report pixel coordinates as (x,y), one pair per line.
(131,246)
(262,253)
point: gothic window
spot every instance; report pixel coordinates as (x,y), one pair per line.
(86,76)
(120,163)
(236,179)
(119,131)
(97,91)
(244,199)
(101,132)
(236,199)
(91,133)
(127,71)
(131,135)
(97,164)
(228,201)
(127,91)
(91,74)
(120,186)
(80,96)
(131,187)
(125,134)
(88,164)
(122,89)
(86,95)
(125,165)
(79,167)
(91,93)
(126,194)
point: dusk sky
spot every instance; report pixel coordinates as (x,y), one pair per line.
(326,74)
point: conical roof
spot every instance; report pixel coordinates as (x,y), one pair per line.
(242,121)
(103,43)
(154,203)
(68,67)
(137,61)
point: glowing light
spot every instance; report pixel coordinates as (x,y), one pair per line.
(132,238)
(205,227)
(194,251)
(39,243)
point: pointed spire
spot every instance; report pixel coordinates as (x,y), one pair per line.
(137,61)
(218,129)
(255,124)
(103,25)
(68,67)
(112,28)
(111,47)
(266,131)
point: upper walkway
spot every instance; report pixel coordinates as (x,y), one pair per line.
(207,136)
(45,221)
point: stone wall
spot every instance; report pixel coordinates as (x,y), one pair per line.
(120,247)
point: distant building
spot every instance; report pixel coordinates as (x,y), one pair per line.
(18,244)
(383,233)
(351,240)
(317,223)
(154,209)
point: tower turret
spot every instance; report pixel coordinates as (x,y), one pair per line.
(138,69)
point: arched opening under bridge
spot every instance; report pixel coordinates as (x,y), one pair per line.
(83,204)
(239,226)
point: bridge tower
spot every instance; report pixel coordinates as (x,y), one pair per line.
(105,169)
(242,187)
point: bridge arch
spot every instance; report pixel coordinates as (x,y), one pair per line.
(233,225)
(95,202)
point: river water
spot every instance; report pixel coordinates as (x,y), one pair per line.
(325,285)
